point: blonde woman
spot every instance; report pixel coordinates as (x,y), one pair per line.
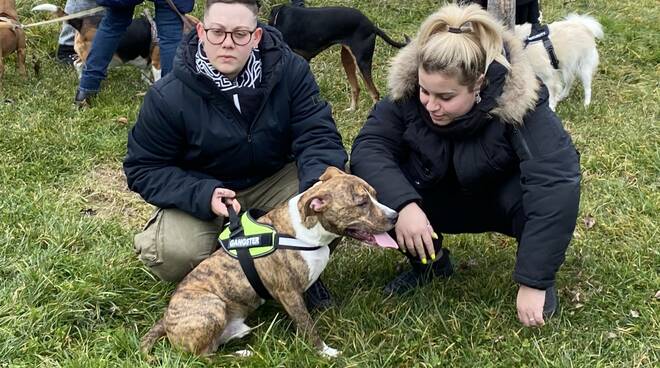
(466,143)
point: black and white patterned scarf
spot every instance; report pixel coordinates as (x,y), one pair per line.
(249,77)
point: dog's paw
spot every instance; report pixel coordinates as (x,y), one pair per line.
(329,352)
(244,353)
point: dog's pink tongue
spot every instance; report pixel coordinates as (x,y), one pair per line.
(385,240)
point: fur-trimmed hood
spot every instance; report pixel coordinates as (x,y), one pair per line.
(520,91)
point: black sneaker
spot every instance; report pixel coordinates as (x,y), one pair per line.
(419,275)
(66,54)
(551,305)
(318,297)
(83,98)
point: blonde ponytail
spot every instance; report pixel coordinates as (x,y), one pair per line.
(461,41)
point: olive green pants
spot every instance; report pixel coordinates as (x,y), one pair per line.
(174,242)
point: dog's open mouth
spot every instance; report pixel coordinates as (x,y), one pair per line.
(383,240)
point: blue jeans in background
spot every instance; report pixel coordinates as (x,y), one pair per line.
(110,31)
(73,6)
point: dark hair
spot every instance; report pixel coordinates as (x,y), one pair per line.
(253,5)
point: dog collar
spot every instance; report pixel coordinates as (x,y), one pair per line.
(14,24)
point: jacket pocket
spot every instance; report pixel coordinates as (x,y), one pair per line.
(146,243)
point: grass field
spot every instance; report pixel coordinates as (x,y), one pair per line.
(73,294)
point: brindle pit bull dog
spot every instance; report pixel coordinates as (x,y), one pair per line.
(210,305)
(12,37)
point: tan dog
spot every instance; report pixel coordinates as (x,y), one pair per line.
(12,37)
(574,42)
(209,306)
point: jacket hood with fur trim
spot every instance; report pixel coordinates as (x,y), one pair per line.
(519,94)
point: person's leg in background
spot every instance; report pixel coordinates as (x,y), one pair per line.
(527,11)
(111,29)
(65,52)
(170,28)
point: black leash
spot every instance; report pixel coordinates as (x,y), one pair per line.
(542,33)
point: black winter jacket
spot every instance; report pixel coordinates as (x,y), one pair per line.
(189,137)
(400,155)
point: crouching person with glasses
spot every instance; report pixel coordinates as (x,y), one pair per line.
(240,121)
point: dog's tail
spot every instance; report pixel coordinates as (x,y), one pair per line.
(50,8)
(387,38)
(147,342)
(588,22)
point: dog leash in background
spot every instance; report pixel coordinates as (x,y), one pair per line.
(184,19)
(83,13)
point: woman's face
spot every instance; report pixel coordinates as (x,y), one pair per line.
(444,98)
(228,57)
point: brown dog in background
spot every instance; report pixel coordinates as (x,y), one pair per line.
(210,305)
(12,37)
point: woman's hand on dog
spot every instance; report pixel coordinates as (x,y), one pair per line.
(218,199)
(414,234)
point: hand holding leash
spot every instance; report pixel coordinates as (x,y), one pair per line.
(221,198)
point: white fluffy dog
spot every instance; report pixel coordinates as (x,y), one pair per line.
(575,46)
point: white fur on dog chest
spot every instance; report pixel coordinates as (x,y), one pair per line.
(316,261)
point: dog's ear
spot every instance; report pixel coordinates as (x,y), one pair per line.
(331,172)
(317,203)
(76,23)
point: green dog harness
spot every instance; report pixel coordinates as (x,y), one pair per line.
(245,239)
(258,239)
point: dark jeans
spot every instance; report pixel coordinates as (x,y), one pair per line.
(452,211)
(528,12)
(110,31)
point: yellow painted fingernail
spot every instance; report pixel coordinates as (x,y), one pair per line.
(433,257)
(434,236)
(423,260)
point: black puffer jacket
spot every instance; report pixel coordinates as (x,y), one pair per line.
(400,155)
(190,139)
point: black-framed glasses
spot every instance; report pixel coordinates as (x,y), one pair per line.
(216,36)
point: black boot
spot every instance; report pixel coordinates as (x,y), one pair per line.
(420,274)
(83,98)
(318,297)
(551,305)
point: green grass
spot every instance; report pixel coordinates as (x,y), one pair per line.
(72,293)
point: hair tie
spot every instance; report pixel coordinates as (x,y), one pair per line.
(454,30)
